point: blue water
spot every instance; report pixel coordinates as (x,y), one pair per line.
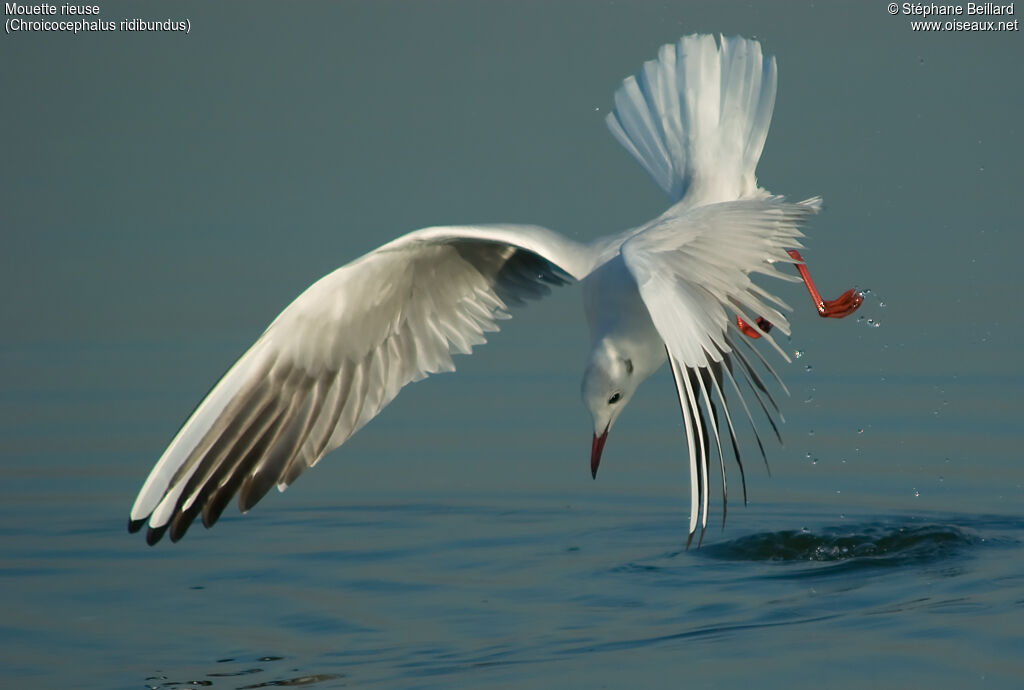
(165,196)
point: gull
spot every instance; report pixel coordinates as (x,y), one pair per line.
(677,288)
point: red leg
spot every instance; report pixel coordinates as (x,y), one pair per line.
(752,332)
(844,305)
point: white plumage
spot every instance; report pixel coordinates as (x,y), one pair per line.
(696,119)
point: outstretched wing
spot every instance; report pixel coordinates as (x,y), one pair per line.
(338,354)
(693,270)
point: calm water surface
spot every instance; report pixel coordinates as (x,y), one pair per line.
(165,196)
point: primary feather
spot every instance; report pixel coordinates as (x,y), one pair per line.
(339,354)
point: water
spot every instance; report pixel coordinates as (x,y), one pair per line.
(165,196)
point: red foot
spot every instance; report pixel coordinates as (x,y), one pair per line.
(844,305)
(752,332)
(841,306)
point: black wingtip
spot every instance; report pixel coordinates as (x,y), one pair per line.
(135,525)
(215,505)
(179,527)
(154,534)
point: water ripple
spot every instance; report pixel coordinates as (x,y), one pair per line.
(163,682)
(842,549)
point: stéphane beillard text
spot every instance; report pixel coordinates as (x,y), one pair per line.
(928,9)
(13,8)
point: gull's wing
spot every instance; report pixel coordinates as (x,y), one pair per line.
(693,268)
(339,353)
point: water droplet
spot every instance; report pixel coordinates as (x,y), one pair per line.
(798,353)
(842,516)
(881,304)
(808,368)
(807,455)
(842,461)
(814,461)
(981,169)
(810,432)
(860,431)
(941,478)
(916,493)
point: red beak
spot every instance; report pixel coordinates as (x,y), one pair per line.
(595,452)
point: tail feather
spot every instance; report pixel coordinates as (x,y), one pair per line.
(696,118)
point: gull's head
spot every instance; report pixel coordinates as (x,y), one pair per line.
(608,384)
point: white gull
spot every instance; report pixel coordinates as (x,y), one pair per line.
(677,287)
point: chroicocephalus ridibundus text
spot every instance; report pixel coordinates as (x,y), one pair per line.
(677,287)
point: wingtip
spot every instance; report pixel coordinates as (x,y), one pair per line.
(179,527)
(154,534)
(135,525)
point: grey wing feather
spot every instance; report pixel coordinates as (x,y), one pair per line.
(692,267)
(339,354)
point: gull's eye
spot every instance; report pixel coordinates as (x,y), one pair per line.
(616,397)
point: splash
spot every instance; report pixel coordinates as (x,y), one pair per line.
(858,546)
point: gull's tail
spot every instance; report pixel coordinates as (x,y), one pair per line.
(696,117)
